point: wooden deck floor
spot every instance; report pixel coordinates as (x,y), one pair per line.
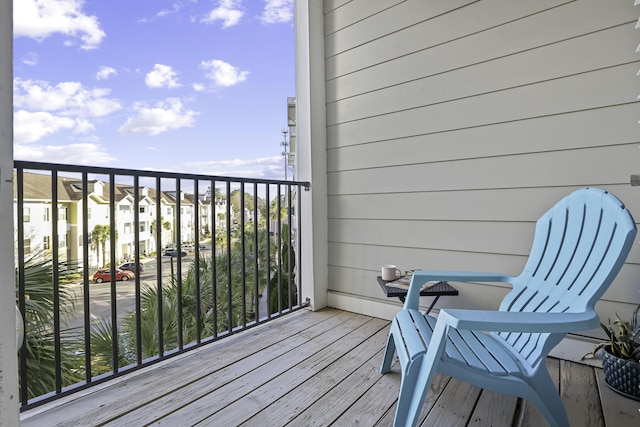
(313,369)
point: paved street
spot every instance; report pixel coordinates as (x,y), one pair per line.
(100,293)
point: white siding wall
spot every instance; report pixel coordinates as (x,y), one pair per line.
(452,125)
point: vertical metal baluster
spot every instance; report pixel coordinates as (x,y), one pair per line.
(136,259)
(178,277)
(158,231)
(299,237)
(229,292)
(268,255)
(86,302)
(279,248)
(214,258)
(256,254)
(55,280)
(242,256)
(196,228)
(115,348)
(289,249)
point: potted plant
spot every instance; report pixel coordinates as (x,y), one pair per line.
(621,356)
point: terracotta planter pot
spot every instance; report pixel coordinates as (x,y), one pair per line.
(621,375)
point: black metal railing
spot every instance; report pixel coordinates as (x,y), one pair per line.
(210,256)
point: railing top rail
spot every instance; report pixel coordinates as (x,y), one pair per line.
(148,173)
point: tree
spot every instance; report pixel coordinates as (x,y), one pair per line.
(39,343)
(165,224)
(280,291)
(99,237)
(273,209)
(249,202)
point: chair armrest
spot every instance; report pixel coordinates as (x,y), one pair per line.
(507,321)
(420,277)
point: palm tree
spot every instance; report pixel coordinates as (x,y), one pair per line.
(210,321)
(99,236)
(39,343)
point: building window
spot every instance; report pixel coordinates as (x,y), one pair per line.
(169,211)
(46,242)
(143,227)
(127,228)
(26,213)
(27,246)
(88,213)
(62,213)
(143,209)
(46,214)
(62,240)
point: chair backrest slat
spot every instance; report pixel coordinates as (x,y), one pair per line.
(579,246)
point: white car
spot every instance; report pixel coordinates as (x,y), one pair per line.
(173,252)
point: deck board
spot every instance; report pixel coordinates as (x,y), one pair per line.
(313,369)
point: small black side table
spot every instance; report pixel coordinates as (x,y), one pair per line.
(437,290)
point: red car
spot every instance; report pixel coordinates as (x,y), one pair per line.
(104,275)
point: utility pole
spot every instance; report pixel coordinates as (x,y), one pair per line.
(285,153)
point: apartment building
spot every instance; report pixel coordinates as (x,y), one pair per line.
(39,218)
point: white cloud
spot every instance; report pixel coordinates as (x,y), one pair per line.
(160,118)
(30,127)
(228,11)
(263,167)
(77,154)
(30,58)
(162,76)
(67,98)
(105,72)
(43,109)
(276,11)
(198,87)
(174,9)
(222,73)
(38,19)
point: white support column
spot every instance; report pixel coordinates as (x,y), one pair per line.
(9,399)
(312,149)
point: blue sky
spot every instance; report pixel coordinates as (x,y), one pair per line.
(195,86)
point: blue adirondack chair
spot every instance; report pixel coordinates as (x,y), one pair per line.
(579,246)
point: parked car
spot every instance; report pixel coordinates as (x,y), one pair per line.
(174,252)
(191,248)
(104,275)
(131,266)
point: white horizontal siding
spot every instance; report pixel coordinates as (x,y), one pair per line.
(588,166)
(343,14)
(558,61)
(558,96)
(422,25)
(453,125)
(532,135)
(444,44)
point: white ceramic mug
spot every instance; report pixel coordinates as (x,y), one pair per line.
(390,272)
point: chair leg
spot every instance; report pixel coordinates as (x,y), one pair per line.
(546,399)
(413,392)
(417,378)
(388,354)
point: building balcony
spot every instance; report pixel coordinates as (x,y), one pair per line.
(271,365)
(314,369)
